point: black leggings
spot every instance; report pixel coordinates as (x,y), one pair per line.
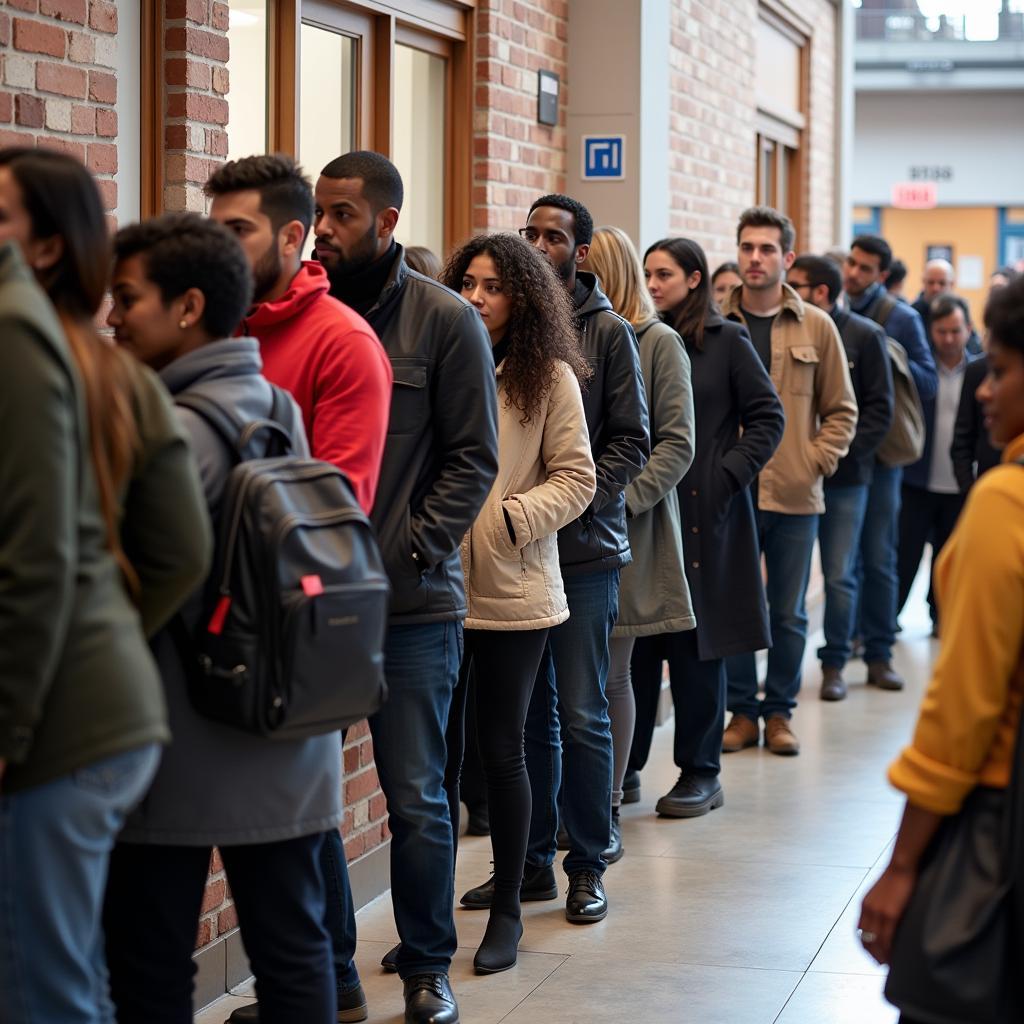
(505,665)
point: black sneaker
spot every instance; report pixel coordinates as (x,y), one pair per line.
(586,902)
(538,884)
(351,1008)
(429,1000)
(615,850)
(631,788)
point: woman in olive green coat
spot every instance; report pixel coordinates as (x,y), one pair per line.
(91,455)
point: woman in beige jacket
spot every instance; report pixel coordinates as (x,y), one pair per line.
(514,587)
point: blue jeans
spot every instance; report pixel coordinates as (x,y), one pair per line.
(55,843)
(839,531)
(879,580)
(421,665)
(787,542)
(568,732)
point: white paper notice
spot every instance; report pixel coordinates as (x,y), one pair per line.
(971,272)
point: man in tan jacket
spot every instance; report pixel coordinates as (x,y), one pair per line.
(804,356)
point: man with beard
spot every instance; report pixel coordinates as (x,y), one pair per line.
(326,355)
(440,460)
(568,733)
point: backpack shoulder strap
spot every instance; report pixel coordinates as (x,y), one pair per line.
(239,437)
(226,428)
(881,309)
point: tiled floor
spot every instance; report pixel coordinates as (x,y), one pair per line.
(745,916)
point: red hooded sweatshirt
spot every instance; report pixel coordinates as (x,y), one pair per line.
(330,360)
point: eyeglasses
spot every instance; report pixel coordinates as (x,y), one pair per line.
(797,287)
(552,237)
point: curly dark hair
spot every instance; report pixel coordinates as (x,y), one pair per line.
(541,328)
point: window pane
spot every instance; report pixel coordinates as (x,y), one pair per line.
(419,145)
(247,71)
(327,100)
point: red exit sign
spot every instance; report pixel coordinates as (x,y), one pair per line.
(915,195)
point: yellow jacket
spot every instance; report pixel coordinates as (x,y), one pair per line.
(970,715)
(812,377)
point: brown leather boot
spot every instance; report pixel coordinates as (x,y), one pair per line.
(832,685)
(779,738)
(741,733)
(884,676)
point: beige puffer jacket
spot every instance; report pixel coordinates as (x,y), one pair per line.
(545,480)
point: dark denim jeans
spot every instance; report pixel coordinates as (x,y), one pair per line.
(568,733)
(787,542)
(421,664)
(839,533)
(879,582)
(55,844)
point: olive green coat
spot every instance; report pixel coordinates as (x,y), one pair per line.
(77,681)
(653,593)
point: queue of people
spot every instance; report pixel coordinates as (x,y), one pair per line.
(575,462)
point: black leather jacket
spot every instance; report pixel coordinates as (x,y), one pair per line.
(441,455)
(616,411)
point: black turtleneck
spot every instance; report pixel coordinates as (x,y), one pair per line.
(500,350)
(362,289)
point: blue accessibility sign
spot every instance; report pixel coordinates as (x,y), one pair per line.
(604,157)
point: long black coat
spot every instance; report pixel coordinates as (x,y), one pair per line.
(731,390)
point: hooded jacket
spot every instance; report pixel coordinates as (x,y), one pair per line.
(330,360)
(441,455)
(616,412)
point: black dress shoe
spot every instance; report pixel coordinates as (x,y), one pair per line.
(351,1008)
(631,788)
(692,796)
(389,961)
(615,851)
(429,1000)
(586,902)
(538,884)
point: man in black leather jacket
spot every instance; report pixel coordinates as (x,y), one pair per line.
(592,550)
(440,460)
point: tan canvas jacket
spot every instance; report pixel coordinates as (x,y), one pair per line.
(810,373)
(545,480)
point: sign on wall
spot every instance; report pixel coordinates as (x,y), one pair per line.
(603,158)
(915,195)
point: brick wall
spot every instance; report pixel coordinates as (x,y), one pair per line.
(59,88)
(515,158)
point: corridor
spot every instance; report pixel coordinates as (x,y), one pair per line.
(745,916)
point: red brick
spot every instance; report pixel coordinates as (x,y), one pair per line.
(378,807)
(183,167)
(65,10)
(216,142)
(103,16)
(82,49)
(102,87)
(354,847)
(221,81)
(351,760)
(204,934)
(83,120)
(29,111)
(360,786)
(216,863)
(12,138)
(226,920)
(191,73)
(106,123)
(206,109)
(37,37)
(221,17)
(108,190)
(216,890)
(198,43)
(176,136)
(24,5)
(192,10)
(5,30)
(61,79)
(6,107)
(102,158)
(75,149)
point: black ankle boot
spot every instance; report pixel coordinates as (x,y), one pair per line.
(500,945)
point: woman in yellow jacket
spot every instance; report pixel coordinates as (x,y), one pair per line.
(514,587)
(967,729)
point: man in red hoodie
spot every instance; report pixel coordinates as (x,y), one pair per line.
(312,345)
(329,358)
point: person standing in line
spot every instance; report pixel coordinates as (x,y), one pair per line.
(896,279)
(739,423)
(424,261)
(801,349)
(568,734)
(968,727)
(654,598)
(724,279)
(181,285)
(103,535)
(938,279)
(329,359)
(971,451)
(440,460)
(819,281)
(932,497)
(864,273)
(514,589)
